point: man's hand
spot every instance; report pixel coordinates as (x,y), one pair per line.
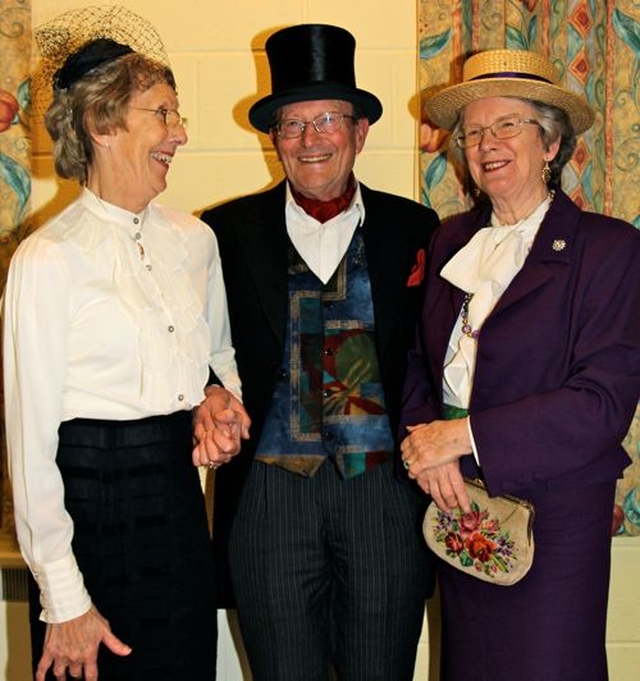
(220,422)
(73,646)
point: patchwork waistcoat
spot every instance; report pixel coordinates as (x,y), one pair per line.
(329,402)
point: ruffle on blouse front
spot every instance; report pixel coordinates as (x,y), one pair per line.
(173,336)
(484,268)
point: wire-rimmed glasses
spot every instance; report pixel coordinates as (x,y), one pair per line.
(502,128)
(326,123)
(169,116)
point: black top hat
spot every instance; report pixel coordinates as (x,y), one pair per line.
(311,61)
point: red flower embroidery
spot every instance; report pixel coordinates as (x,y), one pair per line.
(480,547)
(476,540)
(417,271)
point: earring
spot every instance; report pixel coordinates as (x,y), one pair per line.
(546,172)
(476,191)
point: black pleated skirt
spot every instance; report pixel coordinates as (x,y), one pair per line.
(142,543)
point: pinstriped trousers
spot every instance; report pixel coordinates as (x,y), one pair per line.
(329,572)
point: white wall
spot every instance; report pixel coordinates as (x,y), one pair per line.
(215,50)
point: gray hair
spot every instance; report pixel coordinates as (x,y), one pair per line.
(554,124)
(97,103)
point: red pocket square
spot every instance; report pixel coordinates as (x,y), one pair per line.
(417,271)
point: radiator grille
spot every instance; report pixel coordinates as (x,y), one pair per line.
(15,586)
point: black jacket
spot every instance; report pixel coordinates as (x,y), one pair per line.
(253,241)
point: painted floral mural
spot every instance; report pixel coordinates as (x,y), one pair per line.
(12,172)
(596,48)
(15,150)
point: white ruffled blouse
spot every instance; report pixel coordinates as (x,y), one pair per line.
(108,315)
(484,268)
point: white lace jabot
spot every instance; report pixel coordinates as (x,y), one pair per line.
(484,268)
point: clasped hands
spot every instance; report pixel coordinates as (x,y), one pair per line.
(431,455)
(220,423)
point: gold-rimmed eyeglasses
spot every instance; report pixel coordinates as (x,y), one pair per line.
(502,128)
(168,116)
(326,123)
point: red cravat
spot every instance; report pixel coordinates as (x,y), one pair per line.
(325,210)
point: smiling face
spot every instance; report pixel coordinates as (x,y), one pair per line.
(509,171)
(317,164)
(132,162)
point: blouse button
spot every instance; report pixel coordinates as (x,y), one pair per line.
(148,267)
(137,236)
(136,221)
(180,398)
(171,328)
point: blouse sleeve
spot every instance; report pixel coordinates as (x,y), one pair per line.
(36,323)
(222,359)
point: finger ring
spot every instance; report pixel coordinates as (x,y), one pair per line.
(213,465)
(407,464)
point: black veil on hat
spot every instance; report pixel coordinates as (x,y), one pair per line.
(82,39)
(311,61)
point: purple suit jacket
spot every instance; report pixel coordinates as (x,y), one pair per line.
(557,377)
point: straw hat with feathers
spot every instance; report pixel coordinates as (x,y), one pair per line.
(507,73)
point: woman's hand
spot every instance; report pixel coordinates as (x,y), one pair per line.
(432,444)
(220,422)
(430,453)
(73,645)
(445,485)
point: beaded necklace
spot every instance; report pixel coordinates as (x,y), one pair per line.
(464,318)
(464,313)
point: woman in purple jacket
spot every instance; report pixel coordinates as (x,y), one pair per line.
(526,372)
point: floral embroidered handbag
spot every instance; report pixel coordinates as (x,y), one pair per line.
(494,542)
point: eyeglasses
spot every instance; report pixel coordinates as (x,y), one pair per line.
(169,116)
(326,123)
(502,128)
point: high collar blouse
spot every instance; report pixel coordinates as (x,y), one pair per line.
(110,315)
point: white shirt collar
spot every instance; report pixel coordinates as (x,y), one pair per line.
(323,245)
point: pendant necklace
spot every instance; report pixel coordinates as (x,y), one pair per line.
(464,318)
(464,312)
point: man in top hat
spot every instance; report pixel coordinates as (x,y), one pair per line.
(324,282)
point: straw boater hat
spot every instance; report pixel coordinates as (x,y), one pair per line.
(507,73)
(311,61)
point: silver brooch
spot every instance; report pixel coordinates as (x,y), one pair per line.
(559,245)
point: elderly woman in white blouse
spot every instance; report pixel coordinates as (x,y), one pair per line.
(115,321)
